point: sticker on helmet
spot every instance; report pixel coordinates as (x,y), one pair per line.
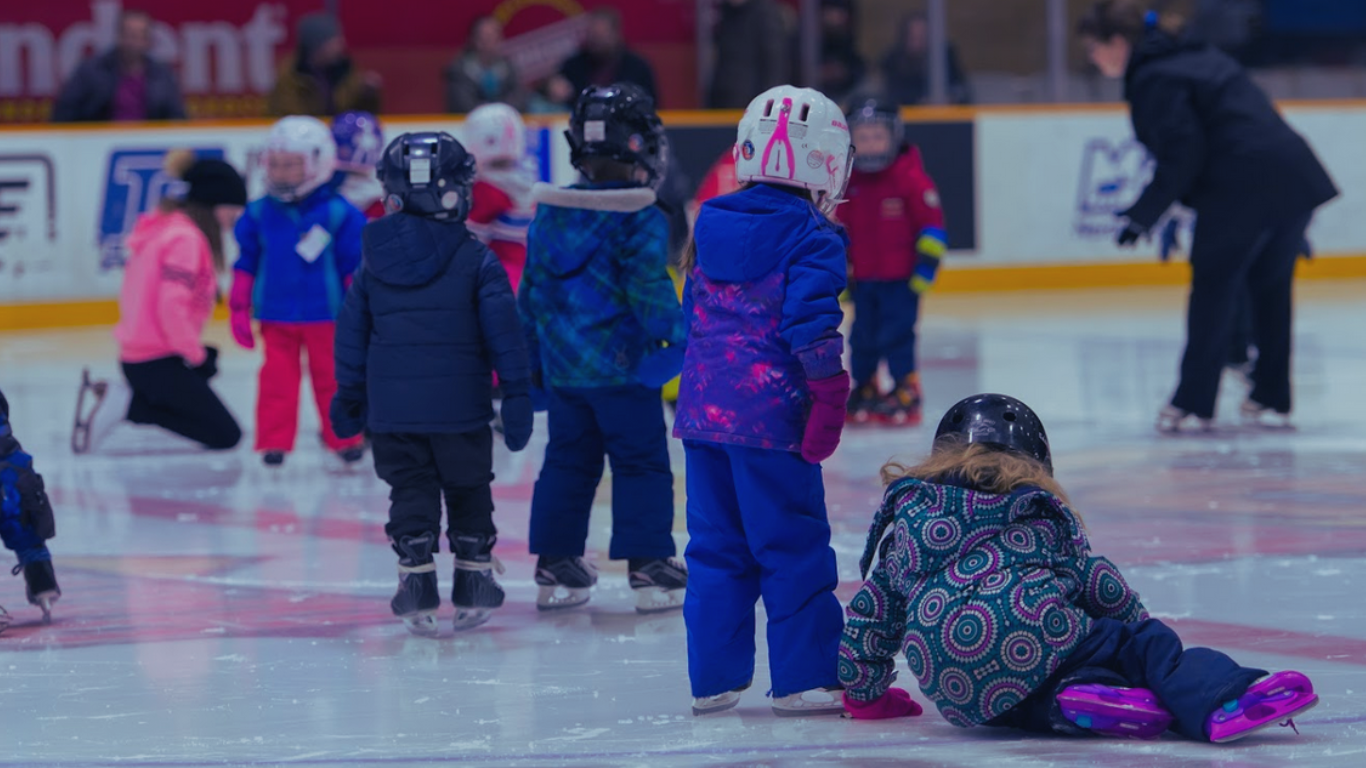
(595,130)
(747,150)
(635,143)
(450,200)
(932,198)
(816,159)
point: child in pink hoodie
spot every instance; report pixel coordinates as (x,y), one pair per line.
(169,291)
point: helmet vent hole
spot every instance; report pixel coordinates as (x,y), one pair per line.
(1008,416)
(958,417)
(805,113)
(768,108)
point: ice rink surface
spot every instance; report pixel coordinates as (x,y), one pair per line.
(217,613)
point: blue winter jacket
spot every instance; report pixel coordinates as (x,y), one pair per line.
(428,319)
(288,288)
(596,295)
(763,313)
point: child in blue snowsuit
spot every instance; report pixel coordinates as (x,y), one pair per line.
(25,520)
(598,308)
(761,404)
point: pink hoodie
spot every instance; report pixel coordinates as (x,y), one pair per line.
(168,290)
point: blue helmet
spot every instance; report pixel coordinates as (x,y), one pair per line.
(427,174)
(360,141)
(619,122)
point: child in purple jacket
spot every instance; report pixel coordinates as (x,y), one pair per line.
(761,404)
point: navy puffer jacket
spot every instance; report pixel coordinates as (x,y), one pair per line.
(429,318)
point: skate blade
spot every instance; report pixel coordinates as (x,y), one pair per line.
(558,598)
(5,619)
(44,602)
(80,430)
(469,618)
(658,600)
(812,711)
(422,624)
(1284,720)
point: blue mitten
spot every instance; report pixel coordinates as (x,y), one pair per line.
(347,413)
(659,366)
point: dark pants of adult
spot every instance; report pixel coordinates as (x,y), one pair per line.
(1241,342)
(624,424)
(1191,683)
(171,395)
(885,315)
(1227,254)
(419,468)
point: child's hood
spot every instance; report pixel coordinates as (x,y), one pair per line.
(745,235)
(411,251)
(945,522)
(573,209)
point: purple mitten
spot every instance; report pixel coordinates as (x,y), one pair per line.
(894,703)
(829,398)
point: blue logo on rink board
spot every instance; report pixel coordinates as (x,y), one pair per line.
(1112,177)
(134,184)
(538,149)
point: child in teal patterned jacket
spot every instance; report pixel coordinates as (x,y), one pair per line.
(986,581)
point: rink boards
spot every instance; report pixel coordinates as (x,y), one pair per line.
(1030,195)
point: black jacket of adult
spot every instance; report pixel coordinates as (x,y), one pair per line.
(751,53)
(88,96)
(583,70)
(429,317)
(1221,148)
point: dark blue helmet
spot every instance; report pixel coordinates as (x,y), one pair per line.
(999,421)
(872,109)
(360,140)
(427,174)
(619,122)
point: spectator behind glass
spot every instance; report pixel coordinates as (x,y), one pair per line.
(123,83)
(319,78)
(751,52)
(906,67)
(603,60)
(481,74)
(842,69)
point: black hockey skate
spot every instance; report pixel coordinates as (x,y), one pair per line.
(4,619)
(418,597)
(40,585)
(659,584)
(564,581)
(475,594)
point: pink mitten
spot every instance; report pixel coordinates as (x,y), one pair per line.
(894,703)
(829,398)
(239,307)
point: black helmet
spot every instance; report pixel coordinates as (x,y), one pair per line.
(864,110)
(999,421)
(618,122)
(427,174)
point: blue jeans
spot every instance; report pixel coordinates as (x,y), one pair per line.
(758,527)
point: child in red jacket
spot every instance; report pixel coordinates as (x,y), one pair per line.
(503,209)
(896,233)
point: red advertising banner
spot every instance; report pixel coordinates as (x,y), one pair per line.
(227,54)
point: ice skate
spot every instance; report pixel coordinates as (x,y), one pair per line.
(273,458)
(862,404)
(350,456)
(1133,713)
(659,584)
(4,619)
(108,403)
(1274,700)
(902,407)
(417,598)
(565,582)
(475,594)
(710,705)
(817,701)
(1254,414)
(40,586)
(1172,420)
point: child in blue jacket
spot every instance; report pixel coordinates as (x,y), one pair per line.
(429,318)
(299,246)
(761,404)
(598,308)
(25,520)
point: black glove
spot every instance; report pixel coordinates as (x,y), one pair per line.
(35,509)
(1306,250)
(209,368)
(347,413)
(1129,235)
(518,416)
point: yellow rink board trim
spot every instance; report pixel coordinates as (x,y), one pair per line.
(952,279)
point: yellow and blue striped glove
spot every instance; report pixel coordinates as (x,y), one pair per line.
(931,247)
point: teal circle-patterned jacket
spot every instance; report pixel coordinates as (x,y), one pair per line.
(985,593)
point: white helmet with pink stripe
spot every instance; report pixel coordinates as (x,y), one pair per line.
(495,132)
(797,137)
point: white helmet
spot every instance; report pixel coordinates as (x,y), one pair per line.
(306,136)
(798,137)
(495,132)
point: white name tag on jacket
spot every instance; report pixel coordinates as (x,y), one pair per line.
(312,244)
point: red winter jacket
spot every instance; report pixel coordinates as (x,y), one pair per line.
(892,216)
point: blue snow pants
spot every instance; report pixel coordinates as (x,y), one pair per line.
(885,316)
